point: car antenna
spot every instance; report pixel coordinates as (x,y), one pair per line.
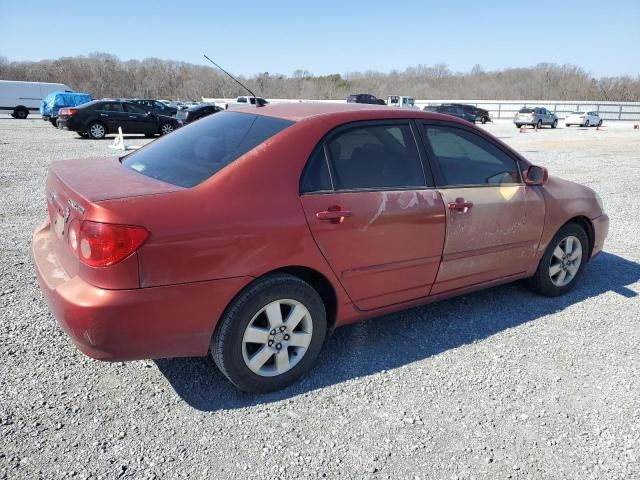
(260,102)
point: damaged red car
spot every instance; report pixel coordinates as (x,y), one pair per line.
(251,234)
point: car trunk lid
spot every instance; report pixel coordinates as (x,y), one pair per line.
(74,190)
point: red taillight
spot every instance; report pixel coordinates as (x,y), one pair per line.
(104,244)
(68,112)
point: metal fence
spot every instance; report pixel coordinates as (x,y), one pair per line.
(507,108)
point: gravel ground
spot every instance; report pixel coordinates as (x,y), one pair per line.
(496,384)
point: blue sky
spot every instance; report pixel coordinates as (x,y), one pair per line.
(330,36)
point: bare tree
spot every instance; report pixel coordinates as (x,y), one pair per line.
(105,75)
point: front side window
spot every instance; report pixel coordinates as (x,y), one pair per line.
(378,156)
(196,152)
(465,158)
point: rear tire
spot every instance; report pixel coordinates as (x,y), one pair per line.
(549,279)
(518,125)
(587,124)
(54,122)
(264,312)
(20,113)
(554,124)
(166,129)
(96,131)
(600,123)
(567,125)
(539,124)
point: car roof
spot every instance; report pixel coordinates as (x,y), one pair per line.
(299,111)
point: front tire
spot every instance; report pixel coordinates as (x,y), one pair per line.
(554,124)
(587,124)
(271,334)
(562,262)
(518,125)
(539,124)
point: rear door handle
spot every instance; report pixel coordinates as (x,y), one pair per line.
(460,205)
(333,215)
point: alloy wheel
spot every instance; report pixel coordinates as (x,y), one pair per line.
(277,338)
(97,130)
(166,129)
(565,261)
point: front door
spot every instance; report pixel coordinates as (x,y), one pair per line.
(373,215)
(494,221)
(139,120)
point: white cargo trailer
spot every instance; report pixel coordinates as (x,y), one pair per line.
(20,98)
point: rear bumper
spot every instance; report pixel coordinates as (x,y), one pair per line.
(155,322)
(70,124)
(601,230)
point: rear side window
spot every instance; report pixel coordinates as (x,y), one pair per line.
(526,110)
(378,156)
(194,153)
(465,158)
(133,108)
(111,107)
(316,176)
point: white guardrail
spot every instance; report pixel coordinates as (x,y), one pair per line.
(507,108)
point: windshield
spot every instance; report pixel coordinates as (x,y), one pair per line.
(196,152)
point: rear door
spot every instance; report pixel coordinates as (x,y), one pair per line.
(374,213)
(112,114)
(494,221)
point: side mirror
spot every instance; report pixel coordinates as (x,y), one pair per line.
(536,175)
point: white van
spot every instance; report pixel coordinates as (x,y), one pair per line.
(401,101)
(20,98)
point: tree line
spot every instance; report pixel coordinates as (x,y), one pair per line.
(105,75)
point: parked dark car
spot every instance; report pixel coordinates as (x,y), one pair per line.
(99,118)
(480,114)
(196,111)
(156,106)
(365,98)
(452,109)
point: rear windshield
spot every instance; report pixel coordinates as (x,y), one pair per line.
(352,98)
(526,110)
(196,152)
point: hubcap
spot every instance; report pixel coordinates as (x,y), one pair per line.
(565,261)
(277,338)
(97,130)
(167,129)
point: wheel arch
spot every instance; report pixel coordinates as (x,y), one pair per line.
(586,224)
(318,282)
(321,284)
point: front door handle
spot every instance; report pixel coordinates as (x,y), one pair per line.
(334,214)
(460,205)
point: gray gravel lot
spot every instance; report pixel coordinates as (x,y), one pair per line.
(497,384)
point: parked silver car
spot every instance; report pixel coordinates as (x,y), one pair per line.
(536,116)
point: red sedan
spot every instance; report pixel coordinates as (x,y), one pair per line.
(252,234)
